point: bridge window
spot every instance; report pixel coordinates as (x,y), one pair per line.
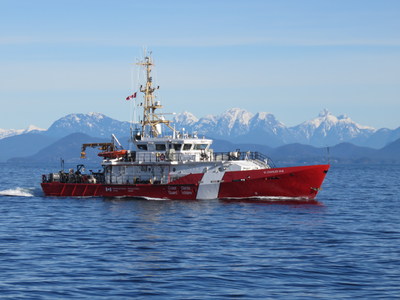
(200,146)
(141,147)
(177,147)
(187,147)
(160,147)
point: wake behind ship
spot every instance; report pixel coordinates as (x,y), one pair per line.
(179,165)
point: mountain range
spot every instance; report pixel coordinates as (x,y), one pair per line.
(325,130)
(236,128)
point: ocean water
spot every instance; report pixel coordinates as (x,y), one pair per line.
(344,245)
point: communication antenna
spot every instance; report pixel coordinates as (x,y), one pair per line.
(151,119)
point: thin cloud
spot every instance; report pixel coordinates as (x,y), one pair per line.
(198,41)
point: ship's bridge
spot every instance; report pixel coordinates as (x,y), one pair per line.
(173,149)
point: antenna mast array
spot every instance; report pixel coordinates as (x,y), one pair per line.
(150,118)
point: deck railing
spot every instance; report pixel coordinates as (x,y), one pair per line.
(201,156)
(238,155)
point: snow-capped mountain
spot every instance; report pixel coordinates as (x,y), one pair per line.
(12,132)
(9,132)
(186,118)
(328,129)
(265,126)
(235,123)
(238,125)
(92,124)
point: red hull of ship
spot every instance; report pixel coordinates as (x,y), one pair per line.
(163,191)
(303,181)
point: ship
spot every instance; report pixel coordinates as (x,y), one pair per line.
(166,163)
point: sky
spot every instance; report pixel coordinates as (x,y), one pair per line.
(291,58)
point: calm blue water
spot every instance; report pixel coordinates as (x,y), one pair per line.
(346,245)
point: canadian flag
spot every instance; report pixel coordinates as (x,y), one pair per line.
(131,96)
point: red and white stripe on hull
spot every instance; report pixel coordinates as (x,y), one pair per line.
(303,181)
(210,184)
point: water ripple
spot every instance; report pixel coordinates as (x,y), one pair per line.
(344,245)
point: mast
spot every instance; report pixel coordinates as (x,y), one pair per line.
(150,118)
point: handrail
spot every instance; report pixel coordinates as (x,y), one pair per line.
(249,155)
(203,156)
